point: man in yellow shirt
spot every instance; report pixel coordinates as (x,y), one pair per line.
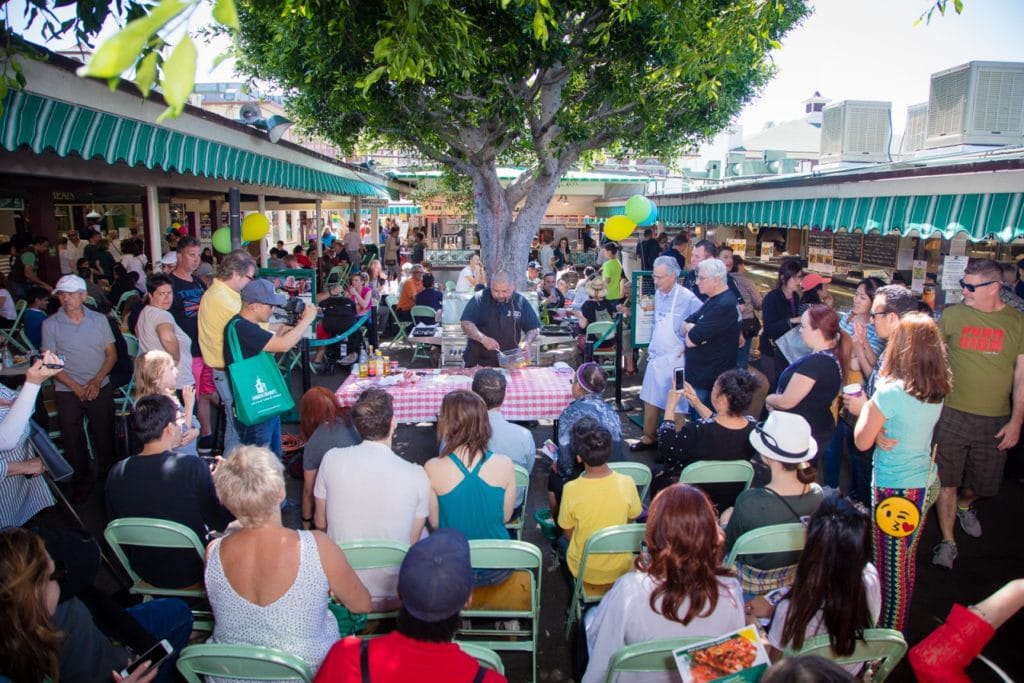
(220,303)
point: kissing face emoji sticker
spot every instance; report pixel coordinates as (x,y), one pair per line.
(897,516)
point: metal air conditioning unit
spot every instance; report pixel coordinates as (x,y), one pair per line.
(856,131)
(775,161)
(914,131)
(978,103)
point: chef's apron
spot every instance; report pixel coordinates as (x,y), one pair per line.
(664,354)
(501,322)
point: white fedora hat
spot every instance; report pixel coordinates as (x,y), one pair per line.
(785,437)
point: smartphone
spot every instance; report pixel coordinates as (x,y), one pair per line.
(210,460)
(156,654)
(680,378)
(550,448)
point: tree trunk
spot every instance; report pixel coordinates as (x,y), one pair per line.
(505,238)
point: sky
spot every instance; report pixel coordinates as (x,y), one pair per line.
(871,50)
(847,50)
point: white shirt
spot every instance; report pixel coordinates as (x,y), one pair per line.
(133,264)
(352,240)
(547,255)
(69,257)
(624,617)
(151,318)
(463,284)
(371,493)
(873,591)
(7,308)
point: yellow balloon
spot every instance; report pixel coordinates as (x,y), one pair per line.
(255,227)
(618,228)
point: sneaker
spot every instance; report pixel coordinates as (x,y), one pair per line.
(969,522)
(349,359)
(510,625)
(944,554)
(205,445)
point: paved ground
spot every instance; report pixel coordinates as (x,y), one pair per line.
(984,564)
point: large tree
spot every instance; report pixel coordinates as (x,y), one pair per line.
(545,84)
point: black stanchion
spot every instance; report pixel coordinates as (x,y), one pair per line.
(307,375)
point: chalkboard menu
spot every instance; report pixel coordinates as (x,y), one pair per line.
(819,239)
(881,250)
(846,247)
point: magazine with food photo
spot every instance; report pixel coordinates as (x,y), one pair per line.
(735,656)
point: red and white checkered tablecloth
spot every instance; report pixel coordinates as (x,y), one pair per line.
(532,394)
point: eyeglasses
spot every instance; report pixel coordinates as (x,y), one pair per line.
(972,288)
(874,313)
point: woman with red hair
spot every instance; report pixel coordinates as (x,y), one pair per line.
(680,589)
(810,385)
(323,425)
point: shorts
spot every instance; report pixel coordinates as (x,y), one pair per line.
(967,453)
(204,377)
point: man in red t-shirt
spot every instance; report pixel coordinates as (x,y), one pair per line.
(434,584)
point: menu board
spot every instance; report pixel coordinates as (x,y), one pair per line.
(846,246)
(881,250)
(819,239)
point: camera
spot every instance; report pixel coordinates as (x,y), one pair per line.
(293,309)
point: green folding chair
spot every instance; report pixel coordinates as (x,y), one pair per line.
(375,554)
(654,656)
(403,325)
(421,350)
(882,645)
(522,482)
(638,472)
(517,556)
(622,538)
(134,349)
(248,662)
(336,276)
(774,538)
(599,333)
(125,298)
(486,657)
(15,334)
(718,472)
(148,532)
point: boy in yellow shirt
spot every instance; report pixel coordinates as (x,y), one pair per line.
(597,499)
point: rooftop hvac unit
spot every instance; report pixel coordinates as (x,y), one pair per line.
(978,103)
(914,131)
(856,130)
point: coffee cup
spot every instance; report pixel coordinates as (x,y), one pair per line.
(852,390)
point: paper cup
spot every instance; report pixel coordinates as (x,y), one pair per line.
(852,390)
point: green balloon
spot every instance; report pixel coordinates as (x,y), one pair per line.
(637,208)
(222,240)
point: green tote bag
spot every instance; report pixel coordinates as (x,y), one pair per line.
(260,390)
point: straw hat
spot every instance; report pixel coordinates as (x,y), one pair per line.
(596,287)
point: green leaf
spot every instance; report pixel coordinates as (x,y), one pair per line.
(145,73)
(179,73)
(3,89)
(224,12)
(122,49)
(540,29)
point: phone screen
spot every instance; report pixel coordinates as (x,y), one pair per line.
(156,654)
(680,378)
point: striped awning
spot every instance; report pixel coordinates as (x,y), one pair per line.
(41,124)
(980,216)
(511,173)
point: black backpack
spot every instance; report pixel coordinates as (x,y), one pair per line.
(339,314)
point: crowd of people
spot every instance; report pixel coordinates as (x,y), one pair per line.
(920,413)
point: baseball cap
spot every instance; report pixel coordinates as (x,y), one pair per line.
(812,280)
(533,264)
(436,576)
(70,283)
(262,292)
(170,258)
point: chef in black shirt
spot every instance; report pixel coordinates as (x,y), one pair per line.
(497,319)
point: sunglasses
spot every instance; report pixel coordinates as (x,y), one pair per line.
(972,288)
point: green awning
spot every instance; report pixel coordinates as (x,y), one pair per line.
(980,216)
(41,123)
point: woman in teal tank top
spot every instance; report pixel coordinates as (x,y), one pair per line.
(472,489)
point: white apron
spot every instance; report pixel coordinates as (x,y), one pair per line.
(663,356)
